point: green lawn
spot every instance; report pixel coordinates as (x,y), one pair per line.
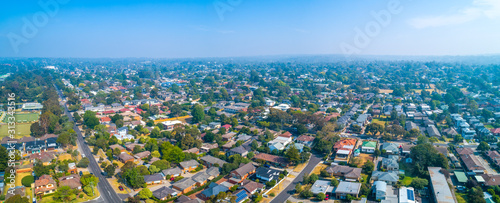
(460,197)
(489,126)
(381,122)
(22,130)
(406,181)
(23,117)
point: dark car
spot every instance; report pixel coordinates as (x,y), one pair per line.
(120,187)
(267,166)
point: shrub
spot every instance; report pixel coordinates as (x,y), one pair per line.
(272,194)
(81,195)
(28,180)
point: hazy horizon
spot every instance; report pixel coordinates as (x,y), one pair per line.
(221,28)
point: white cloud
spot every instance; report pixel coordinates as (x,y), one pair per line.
(479,9)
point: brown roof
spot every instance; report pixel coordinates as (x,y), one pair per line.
(270,158)
(305,138)
(42,182)
(345,171)
(491,180)
(125,157)
(286,134)
(73,181)
(245,169)
(251,186)
(465,150)
(116,146)
(471,162)
(43,156)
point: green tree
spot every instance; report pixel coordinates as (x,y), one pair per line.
(292,154)
(17,199)
(110,170)
(368,167)
(198,113)
(334,182)
(64,194)
(419,183)
(90,119)
(84,163)
(483,146)
(145,193)
(320,196)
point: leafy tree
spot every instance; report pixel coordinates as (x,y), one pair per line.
(84,163)
(334,182)
(161,164)
(172,153)
(145,193)
(110,170)
(483,146)
(425,155)
(198,113)
(458,138)
(292,154)
(28,180)
(320,196)
(419,183)
(368,167)
(88,179)
(3,158)
(64,194)
(17,199)
(90,119)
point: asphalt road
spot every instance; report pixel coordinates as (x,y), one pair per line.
(108,195)
(285,194)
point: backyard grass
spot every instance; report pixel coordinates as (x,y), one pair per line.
(382,91)
(406,181)
(21,130)
(489,126)
(20,176)
(364,158)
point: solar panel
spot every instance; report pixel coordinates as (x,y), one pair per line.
(410,195)
(241,195)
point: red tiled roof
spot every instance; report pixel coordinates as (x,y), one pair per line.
(305,138)
(495,131)
(286,134)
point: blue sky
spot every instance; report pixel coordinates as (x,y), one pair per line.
(221,28)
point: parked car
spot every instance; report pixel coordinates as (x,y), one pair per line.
(120,187)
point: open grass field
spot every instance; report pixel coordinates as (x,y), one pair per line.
(23,117)
(406,181)
(22,130)
(385,91)
(319,167)
(364,158)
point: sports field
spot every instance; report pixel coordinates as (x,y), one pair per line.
(22,130)
(23,117)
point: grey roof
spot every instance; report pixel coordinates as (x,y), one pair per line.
(321,186)
(163,192)
(239,150)
(184,183)
(213,171)
(441,190)
(214,189)
(213,160)
(348,188)
(172,171)
(385,176)
(388,146)
(433,131)
(190,163)
(154,177)
(200,177)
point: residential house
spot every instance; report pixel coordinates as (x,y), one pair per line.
(238,150)
(390,163)
(45,185)
(154,179)
(251,186)
(390,148)
(164,193)
(267,174)
(172,172)
(210,161)
(347,188)
(368,147)
(306,140)
(241,173)
(200,178)
(271,159)
(125,157)
(391,178)
(213,190)
(206,147)
(188,166)
(380,190)
(494,156)
(73,181)
(347,172)
(185,185)
(322,186)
